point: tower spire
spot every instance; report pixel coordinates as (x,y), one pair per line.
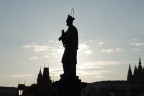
(39,78)
(129,75)
(139,61)
(140,66)
(135,70)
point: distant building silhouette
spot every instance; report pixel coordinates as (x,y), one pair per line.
(129,75)
(39,78)
(106,88)
(8,91)
(133,86)
(44,86)
(21,89)
(138,74)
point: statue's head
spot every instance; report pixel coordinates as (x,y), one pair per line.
(69,20)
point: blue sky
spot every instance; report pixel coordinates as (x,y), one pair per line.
(110,36)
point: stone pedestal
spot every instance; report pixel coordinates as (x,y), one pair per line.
(69,86)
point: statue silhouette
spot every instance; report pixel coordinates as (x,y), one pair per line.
(70,43)
(69,84)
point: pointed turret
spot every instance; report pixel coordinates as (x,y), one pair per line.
(140,72)
(129,75)
(46,73)
(135,70)
(135,74)
(39,78)
(140,66)
(46,77)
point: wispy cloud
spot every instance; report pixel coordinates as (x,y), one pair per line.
(83,46)
(53,48)
(111,50)
(57,49)
(91,40)
(94,68)
(137,43)
(55,71)
(134,49)
(33,58)
(88,66)
(100,43)
(132,40)
(36,47)
(96,64)
(46,56)
(92,73)
(88,52)
(21,76)
(50,41)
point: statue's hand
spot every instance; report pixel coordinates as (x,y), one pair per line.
(59,38)
(61,35)
(62,31)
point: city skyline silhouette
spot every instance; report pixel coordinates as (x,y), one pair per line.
(110,34)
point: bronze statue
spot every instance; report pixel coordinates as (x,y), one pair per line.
(70,43)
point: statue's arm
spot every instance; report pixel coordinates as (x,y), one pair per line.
(60,38)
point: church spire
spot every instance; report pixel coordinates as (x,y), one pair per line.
(140,66)
(39,78)
(46,76)
(129,75)
(135,70)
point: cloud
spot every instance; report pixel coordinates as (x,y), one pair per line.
(137,43)
(52,49)
(112,50)
(97,73)
(96,64)
(37,48)
(91,40)
(88,66)
(33,58)
(95,68)
(50,41)
(83,47)
(100,43)
(55,71)
(46,56)
(132,40)
(88,52)
(21,76)
(57,50)
(86,69)
(92,73)
(134,49)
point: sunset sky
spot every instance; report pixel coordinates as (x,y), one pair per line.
(111,35)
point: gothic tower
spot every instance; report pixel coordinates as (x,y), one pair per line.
(140,66)
(39,78)
(138,74)
(46,74)
(129,75)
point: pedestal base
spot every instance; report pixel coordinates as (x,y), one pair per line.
(69,86)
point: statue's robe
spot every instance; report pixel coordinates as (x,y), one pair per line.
(70,42)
